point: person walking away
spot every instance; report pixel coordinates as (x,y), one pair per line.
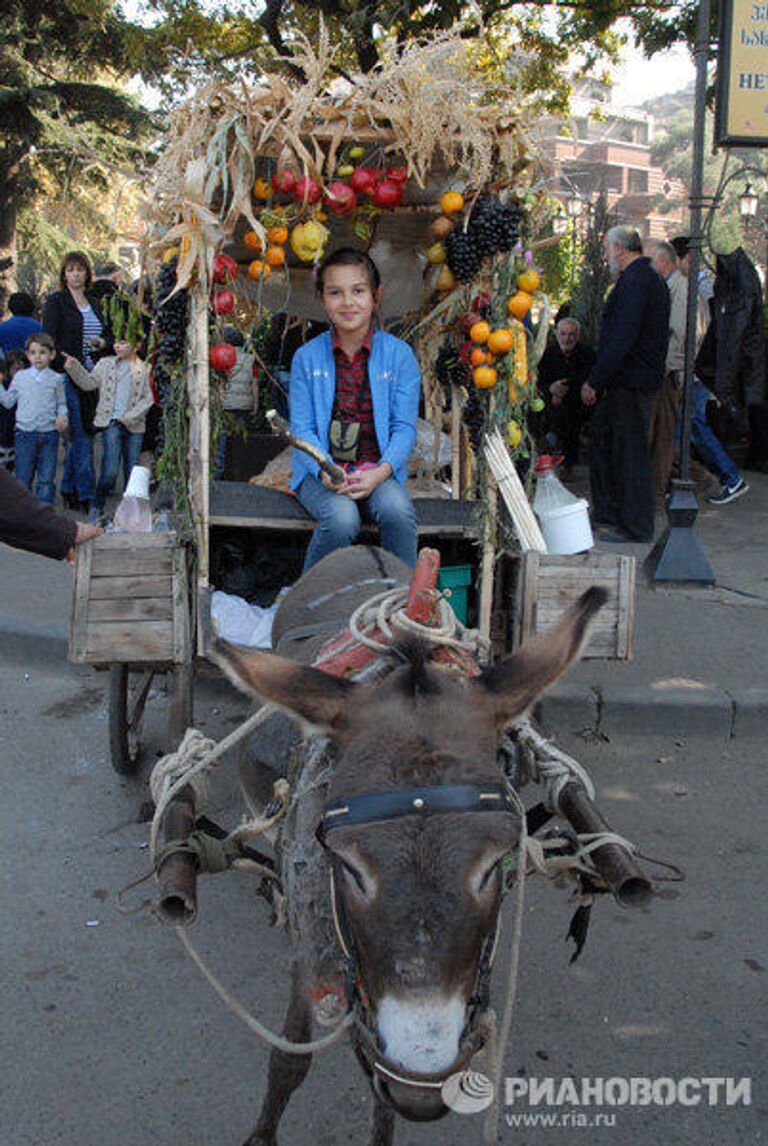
(41,414)
(563,369)
(73,318)
(354,393)
(705,444)
(666,402)
(122,380)
(629,369)
(15,331)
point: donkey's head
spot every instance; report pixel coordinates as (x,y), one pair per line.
(417,874)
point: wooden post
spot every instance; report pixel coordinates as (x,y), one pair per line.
(488,560)
(455,445)
(199,437)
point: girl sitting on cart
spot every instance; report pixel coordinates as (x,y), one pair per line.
(355,393)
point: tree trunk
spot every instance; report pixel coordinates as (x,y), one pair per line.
(9,208)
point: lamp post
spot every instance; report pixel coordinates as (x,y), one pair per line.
(677,558)
(573,208)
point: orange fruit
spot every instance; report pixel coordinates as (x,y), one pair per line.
(451,202)
(277,235)
(484,377)
(529,280)
(259,269)
(519,304)
(275,256)
(262,190)
(479,332)
(500,341)
(478,357)
(252,240)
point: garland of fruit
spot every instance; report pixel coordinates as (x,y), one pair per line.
(295,160)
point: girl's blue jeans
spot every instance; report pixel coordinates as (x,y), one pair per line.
(339,519)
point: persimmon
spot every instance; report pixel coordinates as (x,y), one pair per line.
(484,377)
(519,304)
(500,341)
(529,280)
(275,256)
(277,235)
(262,190)
(252,239)
(451,202)
(479,332)
(258,269)
(478,357)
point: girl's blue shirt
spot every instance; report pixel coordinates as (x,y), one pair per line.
(395,381)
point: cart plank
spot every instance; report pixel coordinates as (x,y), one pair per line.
(130,609)
(130,641)
(121,563)
(105,588)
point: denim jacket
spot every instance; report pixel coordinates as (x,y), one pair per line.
(395,382)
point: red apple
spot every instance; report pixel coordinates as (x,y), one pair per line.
(224,269)
(223,302)
(387,194)
(340,198)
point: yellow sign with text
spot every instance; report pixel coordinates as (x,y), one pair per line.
(743,74)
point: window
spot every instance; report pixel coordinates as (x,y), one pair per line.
(638,182)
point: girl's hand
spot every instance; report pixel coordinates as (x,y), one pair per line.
(362,483)
(61,424)
(326,480)
(69,361)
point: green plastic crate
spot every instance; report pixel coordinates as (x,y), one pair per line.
(458,579)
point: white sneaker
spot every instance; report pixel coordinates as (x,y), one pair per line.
(729,493)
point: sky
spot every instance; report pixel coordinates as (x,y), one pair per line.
(639,79)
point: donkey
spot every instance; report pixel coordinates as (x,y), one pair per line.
(416,824)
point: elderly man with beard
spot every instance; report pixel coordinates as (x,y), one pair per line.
(563,368)
(631,357)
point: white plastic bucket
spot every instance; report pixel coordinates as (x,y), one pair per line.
(138,483)
(567,529)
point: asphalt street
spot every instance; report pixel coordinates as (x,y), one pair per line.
(110,1036)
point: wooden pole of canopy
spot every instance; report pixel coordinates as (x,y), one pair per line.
(198,384)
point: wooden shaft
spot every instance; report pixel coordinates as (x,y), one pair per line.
(177,873)
(624,877)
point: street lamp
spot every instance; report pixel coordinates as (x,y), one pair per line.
(559,222)
(749,201)
(574,206)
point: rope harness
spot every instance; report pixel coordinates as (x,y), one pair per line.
(362,652)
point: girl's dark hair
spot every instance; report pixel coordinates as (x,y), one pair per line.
(76,259)
(13,357)
(349,257)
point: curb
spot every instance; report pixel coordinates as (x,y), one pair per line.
(639,710)
(34,644)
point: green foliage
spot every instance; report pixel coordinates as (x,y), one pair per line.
(594,278)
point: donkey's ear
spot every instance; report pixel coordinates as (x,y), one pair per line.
(511,687)
(306,692)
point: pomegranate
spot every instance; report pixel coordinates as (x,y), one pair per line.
(341,199)
(397,174)
(387,194)
(283,182)
(306,190)
(223,302)
(224,269)
(222,356)
(363,180)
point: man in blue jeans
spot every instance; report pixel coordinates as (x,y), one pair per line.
(710,449)
(355,394)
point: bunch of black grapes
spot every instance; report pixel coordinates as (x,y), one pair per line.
(171,327)
(473,416)
(493,226)
(452,372)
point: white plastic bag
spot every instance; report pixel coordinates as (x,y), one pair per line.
(234,620)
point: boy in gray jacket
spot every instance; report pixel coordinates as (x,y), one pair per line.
(41,414)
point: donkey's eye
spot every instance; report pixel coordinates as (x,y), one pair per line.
(488,875)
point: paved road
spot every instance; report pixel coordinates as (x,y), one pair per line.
(109,1036)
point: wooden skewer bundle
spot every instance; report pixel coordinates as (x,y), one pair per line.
(501,466)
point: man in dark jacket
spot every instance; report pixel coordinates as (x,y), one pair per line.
(26,523)
(564,367)
(629,369)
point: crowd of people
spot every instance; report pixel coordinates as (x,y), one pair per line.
(628,394)
(64,379)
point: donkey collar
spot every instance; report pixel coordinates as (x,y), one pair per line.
(373,807)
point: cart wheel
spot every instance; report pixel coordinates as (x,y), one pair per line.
(128,691)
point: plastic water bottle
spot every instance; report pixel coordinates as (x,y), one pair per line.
(550,493)
(133,514)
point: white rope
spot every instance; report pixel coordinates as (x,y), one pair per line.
(279,1042)
(498,1051)
(552,767)
(195,756)
(387,612)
